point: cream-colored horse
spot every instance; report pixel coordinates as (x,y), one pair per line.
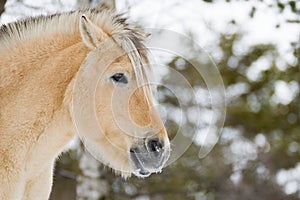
(41,60)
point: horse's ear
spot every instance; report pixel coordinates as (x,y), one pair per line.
(91,34)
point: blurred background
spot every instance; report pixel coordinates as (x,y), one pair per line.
(256,47)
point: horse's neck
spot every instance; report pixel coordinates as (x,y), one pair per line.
(34,78)
(56,57)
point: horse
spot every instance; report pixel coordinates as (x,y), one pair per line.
(46,65)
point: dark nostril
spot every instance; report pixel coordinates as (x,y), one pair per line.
(154,145)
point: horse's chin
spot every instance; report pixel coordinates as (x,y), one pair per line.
(139,161)
(104,154)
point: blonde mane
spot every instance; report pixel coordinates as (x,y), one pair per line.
(67,23)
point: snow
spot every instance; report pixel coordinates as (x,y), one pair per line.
(260,140)
(289,179)
(204,20)
(285,92)
(254,72)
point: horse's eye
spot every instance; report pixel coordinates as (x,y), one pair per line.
(119,78)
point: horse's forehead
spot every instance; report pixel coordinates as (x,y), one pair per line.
(122,61)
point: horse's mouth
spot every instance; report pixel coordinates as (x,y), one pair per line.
(149,158)
(139,168)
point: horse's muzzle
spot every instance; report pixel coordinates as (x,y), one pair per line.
(149,157)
